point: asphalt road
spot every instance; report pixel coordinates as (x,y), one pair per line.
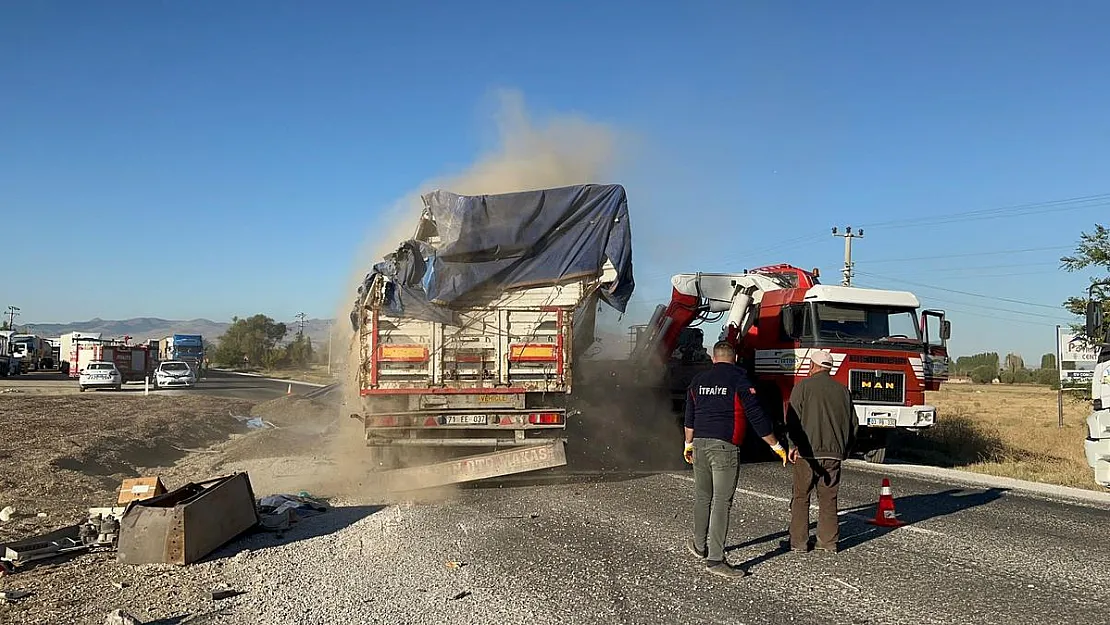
(216,383)
(966,555)
(250,388)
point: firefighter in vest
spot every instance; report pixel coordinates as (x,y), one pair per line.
(720,406)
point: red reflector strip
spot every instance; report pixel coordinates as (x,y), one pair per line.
(382,422)
(545,418)
(431,421)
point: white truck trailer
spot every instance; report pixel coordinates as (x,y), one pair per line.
(469,334)
(69,349)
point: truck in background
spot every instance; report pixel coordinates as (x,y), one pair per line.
(14,362)
(35,352)
(1097,445)
(55,351)
(68,344)
(6,359)
(188,348)
(135,362)
(470,333)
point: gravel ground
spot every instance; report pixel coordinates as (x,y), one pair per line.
(597,547)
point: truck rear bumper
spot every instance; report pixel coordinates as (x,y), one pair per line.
(1097,445)
(471,468)
(876,416)
(378,441)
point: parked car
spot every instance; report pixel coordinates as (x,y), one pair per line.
(172,373)
(100,374)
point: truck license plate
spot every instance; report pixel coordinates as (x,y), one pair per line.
(465,419)
(882,422)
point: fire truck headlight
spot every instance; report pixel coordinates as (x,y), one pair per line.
(926,417)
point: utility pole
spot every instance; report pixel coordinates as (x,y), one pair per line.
(301,316)
(329,349)
(12,312)
(848,236)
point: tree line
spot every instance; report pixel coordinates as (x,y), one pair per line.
(985,367)
(257,342)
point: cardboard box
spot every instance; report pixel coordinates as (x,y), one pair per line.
(140,488)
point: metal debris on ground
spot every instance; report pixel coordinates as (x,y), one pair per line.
(455,565)
(461,595)
(225,593)
(7,513)
(279,512)
(185,525)
(11,596)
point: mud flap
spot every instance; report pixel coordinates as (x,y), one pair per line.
(471,468)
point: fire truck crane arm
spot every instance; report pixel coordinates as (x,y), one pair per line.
(697,296)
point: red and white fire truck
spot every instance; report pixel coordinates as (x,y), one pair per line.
(883,350)
(135,362)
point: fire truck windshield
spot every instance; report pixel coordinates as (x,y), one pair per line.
(878,325)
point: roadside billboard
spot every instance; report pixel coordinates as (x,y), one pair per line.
(1076,359)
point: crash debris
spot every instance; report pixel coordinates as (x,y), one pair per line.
(151,525)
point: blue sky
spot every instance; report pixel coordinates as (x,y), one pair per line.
(258,143)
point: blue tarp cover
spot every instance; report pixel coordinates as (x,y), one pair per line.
(508,241)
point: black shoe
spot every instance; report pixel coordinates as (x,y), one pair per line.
(724,569)
(692,548)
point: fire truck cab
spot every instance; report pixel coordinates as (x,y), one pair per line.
(884,351)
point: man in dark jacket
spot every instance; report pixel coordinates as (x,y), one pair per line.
(720,405)
(821,426)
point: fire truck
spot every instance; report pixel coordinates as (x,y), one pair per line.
(884,351)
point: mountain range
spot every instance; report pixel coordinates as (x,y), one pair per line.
(144,328)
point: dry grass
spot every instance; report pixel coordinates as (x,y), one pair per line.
(65,454)
(1009,431)
(316,373)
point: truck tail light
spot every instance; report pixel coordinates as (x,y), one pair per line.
(545,418)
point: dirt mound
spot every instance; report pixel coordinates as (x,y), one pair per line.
(293,410)
(65,454)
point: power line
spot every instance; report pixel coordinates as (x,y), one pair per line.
(968,293)
(1050,320)
(982,267)
(971,254)
(1033,208)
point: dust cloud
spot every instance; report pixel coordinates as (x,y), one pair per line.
(559,150)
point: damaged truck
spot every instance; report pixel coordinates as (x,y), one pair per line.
(470,332)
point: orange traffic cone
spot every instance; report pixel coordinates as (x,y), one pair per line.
(885,516)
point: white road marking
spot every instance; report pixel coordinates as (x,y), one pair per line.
(813,506)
